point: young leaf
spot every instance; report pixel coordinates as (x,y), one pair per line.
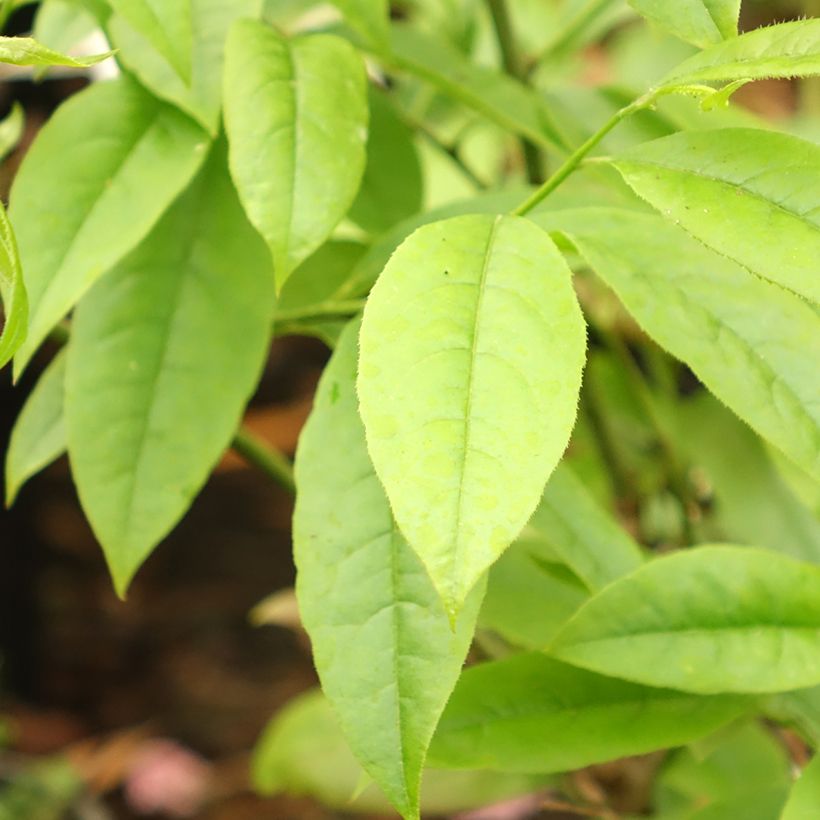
(12,291)
(166,24)
(700,22)
(201,97)
(392,187)
(753,344)
(62,24)
(749,194)
(804,799)
(121,157)
(27,51)
(465,420)
(11,130)
(38,437)
(784,50)
(530,713)
(296,118)
(707,620)
(156,382)
(384,649)
(371,18)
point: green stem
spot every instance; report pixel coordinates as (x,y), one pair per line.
(514,66)
(269,460)
(321,310)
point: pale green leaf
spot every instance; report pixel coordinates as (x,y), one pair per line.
(783,50)
(202,96)
(800,709)
(95,181)
(804,800)
(465,419)
(382,642)
(304,752)
(38,437)
(27,51)
(371,18)
(710,619)
(12,292)
(700,22)
(296,118)
(530,713)
(392,187)
(166,24)
(749,194)
(11,130)
(156,381)
(62,24)
(753,344)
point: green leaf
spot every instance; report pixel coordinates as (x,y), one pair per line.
(303,752)
(530,713)
(62,24)
(386,655)
(804,799)
(296,118)
(753,344)
(11,130)
(156,383)
(783,50)
(99,175)
(749,194)
(371,18)
(700,22)
(465,421)
(12,291)
(498,97)
(707,620)
(38,437)
(392,187)
(27,51)
(166,24)
(800,709)
(202,96)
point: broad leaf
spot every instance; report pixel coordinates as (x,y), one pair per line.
(392,187)
(38,437)
(753,344)
(12,292)
(303,752)
(371,18)
(533,714)
(382,642)
(805,796)
(202,96)
(784,50)
(27,51)
(296,118)
(700,22)
(121,157)
(166,24)
(757,205)
(465,420)
(156,383)
(707,620)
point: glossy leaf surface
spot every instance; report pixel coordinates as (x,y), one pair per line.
(382,642)
(465,418)
(121,157)
(700,22)
(156,383)
(707,620)
(296,118)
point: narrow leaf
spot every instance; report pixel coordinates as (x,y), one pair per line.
(707,620)
(11,130)
(804,799)
(533,714)
(27,51)
(63,24)
(201,97)
(757,205)
(98,177)
(296,118)
(783,50)
(166,24)
(12,291)
(465,420)
(371,18)
(700,22)
(156,382)
(753,344)
(382,642)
